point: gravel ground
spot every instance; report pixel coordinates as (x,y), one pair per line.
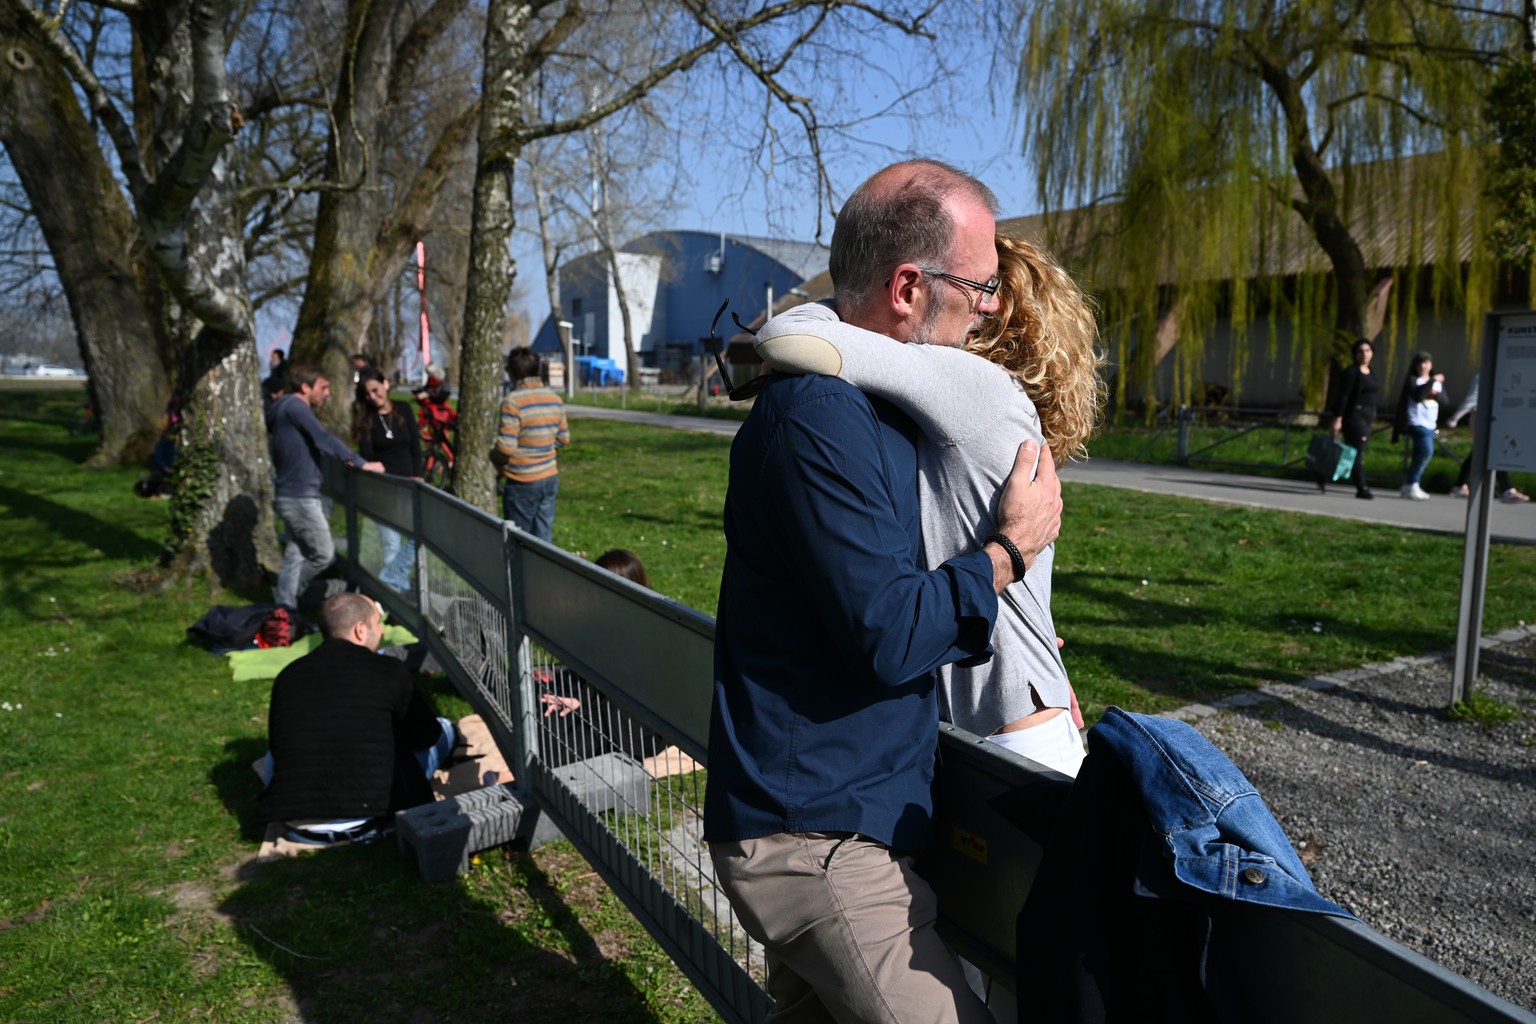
(1423,825)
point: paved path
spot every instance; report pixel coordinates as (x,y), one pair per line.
(672,421)
(1515,524)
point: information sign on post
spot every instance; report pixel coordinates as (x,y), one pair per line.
(1504,438)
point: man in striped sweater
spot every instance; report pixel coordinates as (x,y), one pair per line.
(533,427)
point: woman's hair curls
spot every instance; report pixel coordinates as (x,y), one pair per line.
(1045,334)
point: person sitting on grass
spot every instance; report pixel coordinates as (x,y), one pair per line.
(352,739)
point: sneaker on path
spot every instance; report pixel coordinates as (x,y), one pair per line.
(1414,492)
(1514,497)
(1461,491)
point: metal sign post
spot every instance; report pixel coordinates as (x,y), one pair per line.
(1504,438)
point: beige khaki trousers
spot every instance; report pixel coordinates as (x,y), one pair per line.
(849,931)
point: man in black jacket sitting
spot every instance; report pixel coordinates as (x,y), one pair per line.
(352,739)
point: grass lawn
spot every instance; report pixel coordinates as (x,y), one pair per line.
(127,816)
(126,797)
(674,404)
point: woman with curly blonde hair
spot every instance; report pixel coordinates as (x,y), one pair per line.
(1038,379)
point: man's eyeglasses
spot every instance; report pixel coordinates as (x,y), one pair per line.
(988,288)
(751,387)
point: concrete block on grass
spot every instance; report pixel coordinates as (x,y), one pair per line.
(612,782)
(442,836)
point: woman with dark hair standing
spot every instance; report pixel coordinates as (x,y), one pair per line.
(1418,414)
(386,433)
(1354,413)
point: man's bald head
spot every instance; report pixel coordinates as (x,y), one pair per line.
(900,215)
(351,617)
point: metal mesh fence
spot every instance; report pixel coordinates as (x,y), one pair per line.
(473,628)
(651,796)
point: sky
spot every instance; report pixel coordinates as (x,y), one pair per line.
(968,120)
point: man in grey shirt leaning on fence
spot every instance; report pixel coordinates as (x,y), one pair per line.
(829,634)
(295,439)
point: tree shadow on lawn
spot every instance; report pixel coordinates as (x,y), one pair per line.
(1111,600)
(70,524)
(360,938)
(74,450)
(697,519)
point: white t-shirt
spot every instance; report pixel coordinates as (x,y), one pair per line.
(1425,414)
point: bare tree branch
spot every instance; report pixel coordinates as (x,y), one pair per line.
(117,128)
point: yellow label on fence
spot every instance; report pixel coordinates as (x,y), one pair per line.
(970,844)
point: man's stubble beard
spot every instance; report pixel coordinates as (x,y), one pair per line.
(924,333)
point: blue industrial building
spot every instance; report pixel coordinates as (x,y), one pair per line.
(673,282)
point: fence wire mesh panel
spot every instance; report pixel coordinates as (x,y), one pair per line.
(472,628)
(370,552)
(632,800)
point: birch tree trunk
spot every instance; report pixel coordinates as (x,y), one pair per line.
(491,265)
(221,513)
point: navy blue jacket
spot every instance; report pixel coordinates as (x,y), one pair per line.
(828,634)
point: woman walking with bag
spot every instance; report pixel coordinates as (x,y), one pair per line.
(1354,413)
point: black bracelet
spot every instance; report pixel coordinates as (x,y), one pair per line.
(1019,568)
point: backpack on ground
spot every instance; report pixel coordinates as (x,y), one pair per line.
(224,626)
(278,630)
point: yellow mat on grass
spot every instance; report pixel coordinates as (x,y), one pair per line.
(259,663)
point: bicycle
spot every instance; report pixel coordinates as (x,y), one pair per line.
(436,423)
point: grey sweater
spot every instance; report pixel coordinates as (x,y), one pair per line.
(973,418)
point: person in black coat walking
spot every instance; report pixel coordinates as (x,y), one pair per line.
(1355,411)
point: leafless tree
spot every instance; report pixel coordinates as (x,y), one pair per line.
(531,51)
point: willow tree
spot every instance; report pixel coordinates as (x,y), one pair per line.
(1220,147)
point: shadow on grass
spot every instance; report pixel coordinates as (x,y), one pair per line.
(72,448)
(238,785)
(73,525)
(359,937)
